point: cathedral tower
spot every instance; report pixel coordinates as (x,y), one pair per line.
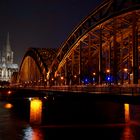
(7,53)
(7,67)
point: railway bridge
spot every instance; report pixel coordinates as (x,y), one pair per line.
(104,49)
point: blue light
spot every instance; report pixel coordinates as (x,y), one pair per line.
(108,78)
(86,81)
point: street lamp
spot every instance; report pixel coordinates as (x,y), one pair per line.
(108,76)
(108,70)
(94,76)
(125,70)
(128,74)
(94,73)
(62,78)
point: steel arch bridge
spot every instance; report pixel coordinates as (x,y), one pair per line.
(35,64)
(103,49)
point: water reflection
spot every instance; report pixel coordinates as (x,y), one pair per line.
(32,134)
(127,132)
(35,111)
(8,106)
(27,133)
(127,113)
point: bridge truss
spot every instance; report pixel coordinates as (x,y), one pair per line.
(103,49)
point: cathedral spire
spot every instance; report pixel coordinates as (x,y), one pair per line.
(8,47)
(7,67)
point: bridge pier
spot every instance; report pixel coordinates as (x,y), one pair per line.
(135,49)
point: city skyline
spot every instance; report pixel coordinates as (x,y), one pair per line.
(40,24)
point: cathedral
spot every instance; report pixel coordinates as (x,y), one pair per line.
(7,67)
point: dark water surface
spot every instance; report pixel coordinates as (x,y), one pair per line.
(98,120)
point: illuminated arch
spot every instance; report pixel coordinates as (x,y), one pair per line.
(107,39)
(35,64)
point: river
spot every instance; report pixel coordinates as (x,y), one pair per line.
(64,120)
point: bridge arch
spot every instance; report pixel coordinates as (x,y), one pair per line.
(35,65)
(103,49)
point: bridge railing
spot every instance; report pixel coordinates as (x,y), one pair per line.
(100,89)
(93,89)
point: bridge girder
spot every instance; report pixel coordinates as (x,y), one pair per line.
(108,28)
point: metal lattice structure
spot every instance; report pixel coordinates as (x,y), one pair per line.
(35,64)
(103,49)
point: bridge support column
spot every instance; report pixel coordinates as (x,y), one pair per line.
(115,60)
(129,60)
(134,49)
(100,58)
(121,60)
(72,72)
(110,62)
(66,74)
(79,65)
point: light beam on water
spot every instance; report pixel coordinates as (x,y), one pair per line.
(126,112)
(35,111)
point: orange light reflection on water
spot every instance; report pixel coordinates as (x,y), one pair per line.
(8,106)
(35,111)
(127,132)
(126,113)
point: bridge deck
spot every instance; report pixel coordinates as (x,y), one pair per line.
(118,93)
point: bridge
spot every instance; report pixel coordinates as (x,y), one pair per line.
(103,50)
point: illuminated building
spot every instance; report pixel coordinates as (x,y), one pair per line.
(7,67)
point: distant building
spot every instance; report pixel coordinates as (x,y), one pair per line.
(7,67)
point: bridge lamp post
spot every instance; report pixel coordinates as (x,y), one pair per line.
(108,70)
(57,79)
(25,84)
(31,84)
(38,82)
(75,79)
(94,74)
(52,81)
(127,72)
(109,77)
(62,78)
(28,83)
(45,81)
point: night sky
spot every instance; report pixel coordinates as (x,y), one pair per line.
(40,23)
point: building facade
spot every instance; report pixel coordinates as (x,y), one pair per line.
(7,67)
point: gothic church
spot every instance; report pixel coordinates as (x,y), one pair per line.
(7,67)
